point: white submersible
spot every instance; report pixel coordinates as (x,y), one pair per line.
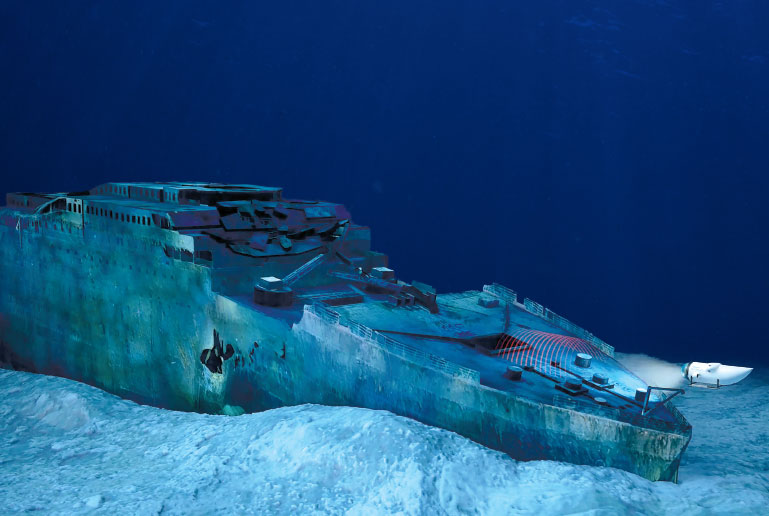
(713,374)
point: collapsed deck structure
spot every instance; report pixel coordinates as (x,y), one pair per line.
(230,298)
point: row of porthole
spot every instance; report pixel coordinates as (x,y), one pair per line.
(112,189)
(61,227)
(38,226)
(134,219)
(146,192)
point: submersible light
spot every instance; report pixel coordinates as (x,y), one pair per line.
(714,374)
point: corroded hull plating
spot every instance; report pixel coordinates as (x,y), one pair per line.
(118,312)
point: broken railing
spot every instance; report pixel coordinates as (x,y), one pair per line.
(511,297)
(502,292)
(679,425)
(679,418)
(395,347)
(563,401)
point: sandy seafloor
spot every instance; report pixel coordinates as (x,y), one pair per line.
(67,448)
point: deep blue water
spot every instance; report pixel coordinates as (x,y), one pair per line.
(609,159)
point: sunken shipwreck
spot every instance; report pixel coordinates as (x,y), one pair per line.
(231,298)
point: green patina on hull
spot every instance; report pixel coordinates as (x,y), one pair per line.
(134,309)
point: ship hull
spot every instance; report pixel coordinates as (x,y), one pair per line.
(119,314)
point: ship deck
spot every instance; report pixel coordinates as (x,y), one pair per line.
(546,352)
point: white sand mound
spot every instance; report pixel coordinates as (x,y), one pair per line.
(68,448)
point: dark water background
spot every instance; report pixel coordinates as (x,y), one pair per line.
(609,159)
